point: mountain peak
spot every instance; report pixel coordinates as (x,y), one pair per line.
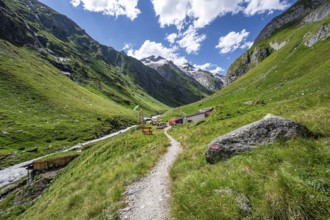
(152,59)
(188,67)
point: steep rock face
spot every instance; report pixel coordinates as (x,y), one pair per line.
(205,78)
(323,33)
(246,62)
(14,30)
(297,11)
(154,62)
(170,72)
(262,132)
(318,14)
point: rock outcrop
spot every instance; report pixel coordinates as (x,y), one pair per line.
(323,33)
(265,131)
(318,14)
(246,62)
(277,45)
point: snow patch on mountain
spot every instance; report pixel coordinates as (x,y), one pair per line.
(211,81)
(154,62)
(205,78)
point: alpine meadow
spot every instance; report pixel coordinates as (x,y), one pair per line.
(88,131)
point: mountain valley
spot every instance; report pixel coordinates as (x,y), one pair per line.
(59,87)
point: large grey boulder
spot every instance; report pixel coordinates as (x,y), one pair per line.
(265,131)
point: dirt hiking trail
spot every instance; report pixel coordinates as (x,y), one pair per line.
(149,198)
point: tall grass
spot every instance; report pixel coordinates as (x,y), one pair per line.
(92,186)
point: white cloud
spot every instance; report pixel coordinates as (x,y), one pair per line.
(110,7)
(204,66)
(203,12)
(191,40)
(150,48)
(171,38)
(263,6)
(232,41)
(212,68)
(217,70)
(171,11)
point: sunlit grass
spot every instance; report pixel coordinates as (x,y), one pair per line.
(92,185)
(285,180)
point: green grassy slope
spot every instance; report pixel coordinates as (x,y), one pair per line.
(286,180)
(92,185)
(40,106)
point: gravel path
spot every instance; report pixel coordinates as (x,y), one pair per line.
(148,198)
(15,172)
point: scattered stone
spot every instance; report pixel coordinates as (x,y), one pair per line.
(10,188)
(255,102)
(276,45)
(242,200)
(5,132)
(244,204)
(33,190)
(247,61)
(265,131)
(66,73)
(32,150)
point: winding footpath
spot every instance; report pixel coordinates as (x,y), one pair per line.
(149,197)
(15,172)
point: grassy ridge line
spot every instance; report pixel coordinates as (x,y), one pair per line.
(91,186)
(282,181)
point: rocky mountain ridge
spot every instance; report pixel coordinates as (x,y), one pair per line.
(205,78)
(212,81)
(172,73)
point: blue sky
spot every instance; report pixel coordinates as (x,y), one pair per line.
(210,34)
